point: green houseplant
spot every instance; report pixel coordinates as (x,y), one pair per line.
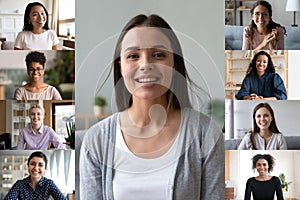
(70,126)
(62,73)
(284,183)
(99,104)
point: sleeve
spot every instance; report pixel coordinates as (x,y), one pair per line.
(90,173)
(212,178)
(55,192)
(279,87)
(246,39)
(19,41)
(245,89)
(18,94)
(56,94)
(282,143)
(248,190)
(244,145)
(55,38)
(13,192)
(280,38)
(55,140)
(279,194)
(21,141)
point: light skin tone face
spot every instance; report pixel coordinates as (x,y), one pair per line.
(262,167)
(36,72)
(261,16)
(36,117)
(261,64)
(146,62)
(36,168)
(263,118)
(38,18)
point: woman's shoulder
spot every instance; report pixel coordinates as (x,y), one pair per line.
(103,127)
(50,32)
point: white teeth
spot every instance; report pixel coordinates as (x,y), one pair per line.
(146,80)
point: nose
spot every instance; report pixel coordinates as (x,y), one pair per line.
(146,67)
(146,63)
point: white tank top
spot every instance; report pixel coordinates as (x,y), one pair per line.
(140,178)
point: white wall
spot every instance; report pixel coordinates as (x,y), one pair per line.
(294,71)
(286,115)
(286,162)
(10,6)
(201,30)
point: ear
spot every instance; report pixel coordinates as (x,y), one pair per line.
(119,62)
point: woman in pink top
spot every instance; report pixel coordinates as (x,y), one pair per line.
(263,33)
(36,89)
(36,135)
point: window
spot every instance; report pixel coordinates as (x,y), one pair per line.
(66,18)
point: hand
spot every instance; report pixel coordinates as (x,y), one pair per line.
(254,96)
(270,37)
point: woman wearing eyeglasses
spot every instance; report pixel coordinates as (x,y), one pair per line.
(263,33)
(36,89)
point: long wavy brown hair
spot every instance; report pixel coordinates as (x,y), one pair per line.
(255,129)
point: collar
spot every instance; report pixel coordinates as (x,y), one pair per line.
(40,130)
(40,183)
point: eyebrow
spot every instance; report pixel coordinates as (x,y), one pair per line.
(159,46)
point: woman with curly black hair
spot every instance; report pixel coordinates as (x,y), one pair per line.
(263,186)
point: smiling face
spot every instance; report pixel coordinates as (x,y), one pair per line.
(146,62)
(37,17)
(36,72)
(36,117)
(261,64)
(36,168)
(262,167)
(261,16)
(263,118)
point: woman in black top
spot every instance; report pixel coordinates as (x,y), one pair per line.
(263,186)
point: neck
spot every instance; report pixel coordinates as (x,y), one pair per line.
(262,30)
(34,181)
(36,127)
(143,111)
(265,133)
(37,30)
(263,177)
(260,74)
(36,84)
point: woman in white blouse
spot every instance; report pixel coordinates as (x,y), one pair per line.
(265,134)
(36,34)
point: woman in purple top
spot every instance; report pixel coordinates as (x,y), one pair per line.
(263,32)
(36,135)
(263,186)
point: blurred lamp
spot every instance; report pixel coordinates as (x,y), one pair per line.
(293,6)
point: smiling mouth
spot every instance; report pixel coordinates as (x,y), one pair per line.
(146,80)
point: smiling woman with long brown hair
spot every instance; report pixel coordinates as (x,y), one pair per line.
(156,146)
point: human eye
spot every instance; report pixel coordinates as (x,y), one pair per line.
(132,56)
(159,55)
(256,13)
(41,165)
(32,163)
